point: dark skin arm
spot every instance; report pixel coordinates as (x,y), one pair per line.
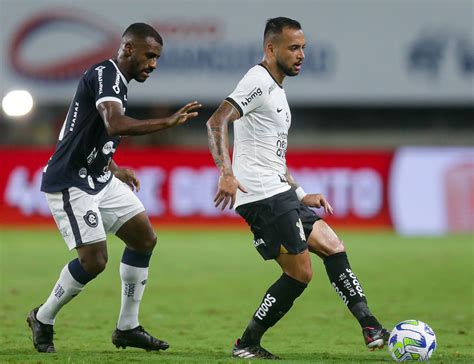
(311,200)
(118,124)
(218,138)
(126,175)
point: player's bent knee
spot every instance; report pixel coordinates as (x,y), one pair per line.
(304,275)
(149,244)
(94,265)
(307,276)
(339,248)
(327,248)
(331,250)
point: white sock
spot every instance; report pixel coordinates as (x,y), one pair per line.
(65,289)
(133,285)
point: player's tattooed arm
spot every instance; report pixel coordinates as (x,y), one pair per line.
(118,124)
(218,139)
(218,136)
(291,181)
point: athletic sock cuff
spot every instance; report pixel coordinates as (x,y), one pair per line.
(291,280)
(78,272)
(333,257)
(136,259)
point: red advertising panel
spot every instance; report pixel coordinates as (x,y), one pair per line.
(178,185)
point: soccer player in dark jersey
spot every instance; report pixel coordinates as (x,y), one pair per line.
(264,193)
(90,195)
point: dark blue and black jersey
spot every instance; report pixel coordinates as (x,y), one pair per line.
(84,149)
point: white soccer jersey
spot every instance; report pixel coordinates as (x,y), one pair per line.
(260,136)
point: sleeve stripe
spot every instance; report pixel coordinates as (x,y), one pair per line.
(108,98)
(235,105)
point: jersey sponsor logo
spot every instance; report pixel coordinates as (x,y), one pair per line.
(281,144)
(91,156)
(82,173)
(91,219)
(116,87)
(279,110)
(108,148)
(257,91)
(105,177)
(74,116)
(91,182)
(268,302)
(100,72)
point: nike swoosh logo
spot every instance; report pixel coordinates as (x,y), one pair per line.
(278,110)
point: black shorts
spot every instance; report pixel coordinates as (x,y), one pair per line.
(280,224)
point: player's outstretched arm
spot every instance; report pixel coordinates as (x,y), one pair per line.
(218,138)
(118,124)
(312,199)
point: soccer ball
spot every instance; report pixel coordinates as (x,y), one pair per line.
(412,340)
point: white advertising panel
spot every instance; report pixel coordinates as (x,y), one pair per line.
(431,190)
(357,52)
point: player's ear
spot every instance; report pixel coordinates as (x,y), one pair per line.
(270,47)
(128,48)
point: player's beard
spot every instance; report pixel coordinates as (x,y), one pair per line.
(286,70)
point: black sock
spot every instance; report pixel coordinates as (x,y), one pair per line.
(347,286)
(276,302)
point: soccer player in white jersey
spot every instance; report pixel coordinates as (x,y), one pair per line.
(264,193)
(89,195)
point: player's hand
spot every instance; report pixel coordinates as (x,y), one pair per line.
(317,200)
(226,191)
(184,114)
(128,176)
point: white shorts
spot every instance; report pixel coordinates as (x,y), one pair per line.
(83,218)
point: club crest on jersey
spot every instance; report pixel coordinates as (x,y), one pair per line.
(108,148)
(91,219)
(257,91)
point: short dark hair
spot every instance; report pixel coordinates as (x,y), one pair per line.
(275,26)
(143,30)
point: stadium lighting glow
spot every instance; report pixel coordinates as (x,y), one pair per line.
(17,103)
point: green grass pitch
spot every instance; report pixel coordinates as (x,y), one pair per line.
(204,285)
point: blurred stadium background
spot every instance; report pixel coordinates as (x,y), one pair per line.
(383,111)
